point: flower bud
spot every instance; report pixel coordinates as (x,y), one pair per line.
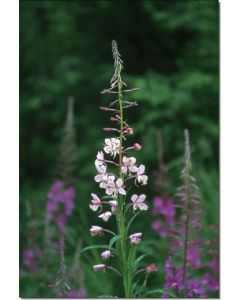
(106,254)
(128,131)
(109,129)
(113,119)
(137,146)
(151,268)
(99,267)
(95,230)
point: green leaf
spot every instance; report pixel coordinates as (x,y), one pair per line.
(127,208)
(134,288)
(131,220)
(113,240)
(161,291)
(137,260)
(131,256)
(94,247)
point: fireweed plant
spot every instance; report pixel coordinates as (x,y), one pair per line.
(60,202)
(190,203)
(186,251)
(117,172)
(163,205)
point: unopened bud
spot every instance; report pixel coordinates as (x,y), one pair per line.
(104,108)
(137,146)
(151,268)
(128,131)
(113,119)
(110,129)
(99,267)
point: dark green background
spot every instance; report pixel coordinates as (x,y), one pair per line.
(170,51)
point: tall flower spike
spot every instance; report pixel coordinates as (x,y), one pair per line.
(118,64)
(124,172)
(190,205)
(67,160)
(62,192)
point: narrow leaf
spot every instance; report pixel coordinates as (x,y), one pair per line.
(94,247)
(137,260)
(113,240)
(131,220)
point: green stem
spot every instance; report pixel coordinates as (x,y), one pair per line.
(186,233)
(143,285)
(121,219)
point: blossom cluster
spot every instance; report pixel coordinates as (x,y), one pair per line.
(114,186)
(164,208)
(165,226)
(31,258)
(199,286)
(60,203)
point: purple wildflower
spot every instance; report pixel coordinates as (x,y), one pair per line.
(193,257)
(60,203)
(209,282)
(214,285)
(195,288)
(157,206)
(81,293)
(31,257)
(159,228)
(173,276)
(164,207)
(214,265)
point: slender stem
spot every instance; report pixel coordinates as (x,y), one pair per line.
(121,125)
(61,249)
(185,252)
(121,219)
(114,270)
(144,284)
(109,231)
(186,232)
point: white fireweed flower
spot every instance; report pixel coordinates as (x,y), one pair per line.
(114,205)
(135,238)
(102,173)
(112,146)
(141,177)
(99,267)
(139,202)
(105,216)
(106,180)
(129,165)
(106,254)
(96,202)
(115,188)
(100,156)
(95,230)
(100,159)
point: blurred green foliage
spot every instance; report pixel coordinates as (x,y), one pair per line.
(170,51)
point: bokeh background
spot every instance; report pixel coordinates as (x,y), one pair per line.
(170,51)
